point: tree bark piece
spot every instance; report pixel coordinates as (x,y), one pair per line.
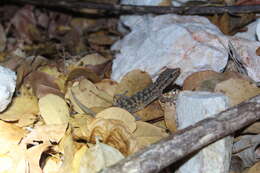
(79,6)
(186,141)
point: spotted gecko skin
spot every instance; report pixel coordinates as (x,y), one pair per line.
(142,98)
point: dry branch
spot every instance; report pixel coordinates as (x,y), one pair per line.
(178,145)
(79,6)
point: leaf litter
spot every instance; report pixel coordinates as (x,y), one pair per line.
(45,130)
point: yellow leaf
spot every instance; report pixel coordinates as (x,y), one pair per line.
(238,90)
(119,114)
(89,95)
(67,147)
(79,124)
(255,168)
(45,133)
(113,133)
(147,129)
(95,158)
(128,84)
(107,85)
(23,109)
(147,134)
(52,165)
(54,109)
(9,135)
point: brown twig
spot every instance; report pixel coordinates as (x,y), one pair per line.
(79,6)
(184,142)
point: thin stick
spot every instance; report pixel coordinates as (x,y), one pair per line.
(79,6)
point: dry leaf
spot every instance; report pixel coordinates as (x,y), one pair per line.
(252,129)
(79,123)
(54,110)
(91,59)
(33,156)
(23,110)
(113,133)
(150,112)
(146,129)
(95,158)
(101,38)
(89,95)
(230,24)
(2,38)
(92,67)
(255,168)
(170,116)
(10,135)
(45,133)
(58,77)
(43,84)
(52,164)
(85,72)
(147,134)
(238,90)
(15,160)
(160,124)
(128,84)
(119,114)
(195,80)
(67,147)
(107,85)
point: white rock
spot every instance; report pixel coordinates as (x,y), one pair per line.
(258,29)
(247,51)
(7,86)
(251,32)
(189,42)
(192,107)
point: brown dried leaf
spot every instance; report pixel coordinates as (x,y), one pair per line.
(10,135)
(150,112)
(23,66)
(93,67)
(253,129)
(33,156)
(170,116)
(160,124)
(45,133)
(23,110)
(127,85)
(107,85)
(79,123)
(91,59)
(24,23)
(255,168)
(83,72)
(43,84)
(60,78)
(230,24)
(68,148)
(147,134)
(238,90)
(113,133)
(2,39)
(89,95)
(101,38)
(146,129)
(193,82)
(119,114)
